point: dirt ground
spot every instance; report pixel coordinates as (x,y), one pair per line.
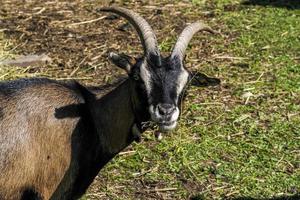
(78,38)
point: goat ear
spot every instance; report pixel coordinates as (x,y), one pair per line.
(201,80)
(121,60)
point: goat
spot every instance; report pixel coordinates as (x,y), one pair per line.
(56,136)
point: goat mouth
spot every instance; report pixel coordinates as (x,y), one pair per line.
(167,126)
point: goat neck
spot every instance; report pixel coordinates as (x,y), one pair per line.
(114,115)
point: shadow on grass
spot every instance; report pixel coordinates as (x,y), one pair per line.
(292,197)
(289,4)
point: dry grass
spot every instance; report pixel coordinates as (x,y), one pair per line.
(234,141)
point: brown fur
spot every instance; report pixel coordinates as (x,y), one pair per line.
(30,122)
(46,150)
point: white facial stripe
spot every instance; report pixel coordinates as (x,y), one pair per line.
(182,81)
(146,77)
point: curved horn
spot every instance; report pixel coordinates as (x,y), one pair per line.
(185,37)
(144,30)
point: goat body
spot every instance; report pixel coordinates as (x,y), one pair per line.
(52,143)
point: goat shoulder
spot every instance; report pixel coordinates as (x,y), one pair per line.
(35,142)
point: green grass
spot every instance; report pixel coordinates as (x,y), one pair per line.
(224,147)
(229,149)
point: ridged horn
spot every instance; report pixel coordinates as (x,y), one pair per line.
(142,27)
(185,37)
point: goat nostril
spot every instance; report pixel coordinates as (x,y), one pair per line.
(161,110)
(164,109)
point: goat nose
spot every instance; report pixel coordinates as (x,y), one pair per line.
(165,109)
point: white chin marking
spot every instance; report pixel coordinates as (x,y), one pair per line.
(164,126)
(167,127)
